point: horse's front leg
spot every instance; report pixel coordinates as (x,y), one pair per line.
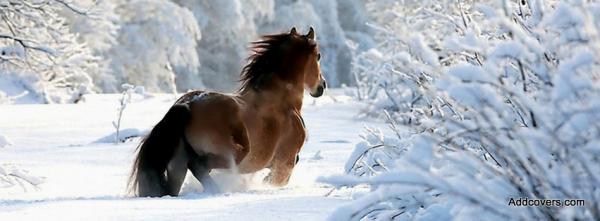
(281,170)
(286,155)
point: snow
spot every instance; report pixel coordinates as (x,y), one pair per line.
(467,72)
(124,135)
(4,142)
(84,179)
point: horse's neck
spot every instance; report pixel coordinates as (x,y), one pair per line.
(286,98)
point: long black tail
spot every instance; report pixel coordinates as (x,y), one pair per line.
(155,151)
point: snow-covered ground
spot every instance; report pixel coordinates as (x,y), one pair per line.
(83,179)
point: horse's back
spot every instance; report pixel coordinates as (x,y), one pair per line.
(213,106)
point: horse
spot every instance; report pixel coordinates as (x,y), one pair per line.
(258,126)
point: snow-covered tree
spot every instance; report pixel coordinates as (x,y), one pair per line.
(150,42)
(98,29)
(230,25)
(500,107)
(336,23)
(156,46)
(39,56)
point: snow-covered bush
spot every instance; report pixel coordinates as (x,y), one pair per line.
(11,177)
(409,35)
(499,107)
(128,91)
(39,54)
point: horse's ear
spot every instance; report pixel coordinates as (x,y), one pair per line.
(293,31)
(311,33)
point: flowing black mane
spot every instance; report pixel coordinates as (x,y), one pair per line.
(267,54)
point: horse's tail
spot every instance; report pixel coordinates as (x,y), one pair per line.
(155,151)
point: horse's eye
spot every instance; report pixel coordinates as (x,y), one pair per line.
(318,56)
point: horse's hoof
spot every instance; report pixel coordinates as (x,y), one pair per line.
(268,179)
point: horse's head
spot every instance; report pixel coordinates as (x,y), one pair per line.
(313,78)
(288,58)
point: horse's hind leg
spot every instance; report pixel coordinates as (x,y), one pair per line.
(177,169)
(200,169)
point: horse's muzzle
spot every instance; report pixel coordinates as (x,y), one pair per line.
(318,91)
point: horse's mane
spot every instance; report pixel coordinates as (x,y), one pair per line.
(263,63)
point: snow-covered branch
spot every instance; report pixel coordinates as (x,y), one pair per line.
(39,53)
(496,103)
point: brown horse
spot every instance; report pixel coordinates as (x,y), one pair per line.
(258,127)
